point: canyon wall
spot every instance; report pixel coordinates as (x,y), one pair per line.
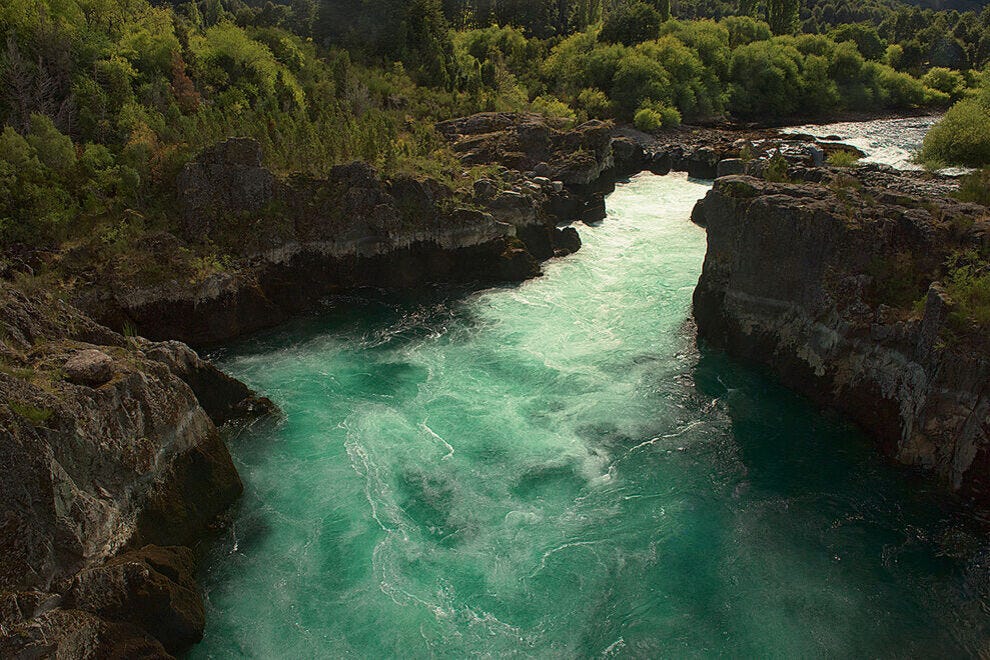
(111,465)
(839,288)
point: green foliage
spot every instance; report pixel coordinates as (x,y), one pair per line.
(551,106)
(640,79)
(630,23)
(648,120)
(104,101)
(842,158)
(961,138)
(33,415)
(949,82)
(745,30)
(975,187)
(969,288)
(782,15)
(776,168)
(765,80)
(654,116)
(595,103)
(867,39)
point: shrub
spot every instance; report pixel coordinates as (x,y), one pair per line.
(969,288)
(648,119)
(842,158)
(640,79)
(595,103)
(631,23)
(551,106)
(654,116)
(765,80)
(775,169)
(961,138)
(671,117)
(949,82)
(745,30)
(975,187)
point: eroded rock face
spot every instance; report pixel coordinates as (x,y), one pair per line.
(800,278)
(227,177)
(152,588)
(527,142)
(298,239)
(105,447)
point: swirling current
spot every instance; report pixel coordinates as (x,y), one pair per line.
(556,470)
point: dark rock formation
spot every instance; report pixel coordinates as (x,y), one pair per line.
(527,142)
(298,239)
(105,448)
(227,177)
(152,588)
(817,281)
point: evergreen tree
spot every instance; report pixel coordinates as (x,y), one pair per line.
(782,15)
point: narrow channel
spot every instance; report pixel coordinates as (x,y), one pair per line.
(555,470)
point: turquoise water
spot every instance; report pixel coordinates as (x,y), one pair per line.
(553,470)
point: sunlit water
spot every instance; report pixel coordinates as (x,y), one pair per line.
(554,471)
(893,142)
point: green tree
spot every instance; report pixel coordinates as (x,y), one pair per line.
(782,15)
(866,38)
(631,23)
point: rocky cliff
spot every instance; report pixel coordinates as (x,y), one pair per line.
(843,290)
(111,462)
(296,239)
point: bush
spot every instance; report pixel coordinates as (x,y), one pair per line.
(551,106)
(961,138)
(595,103)
(975,187)
(654,116)
(648,120)
(765,80)
(776,168)
(949,82)
(671,117)
(640,79)
(745,30)
(842,158)
(631,23)
(969,288)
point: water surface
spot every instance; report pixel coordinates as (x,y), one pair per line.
(893,142)
(554,471)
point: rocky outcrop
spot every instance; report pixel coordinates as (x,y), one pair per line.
(106,449)
(297,239)
(226,178)
(533,143)
(820,282)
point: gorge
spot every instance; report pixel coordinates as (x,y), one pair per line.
(555,470)
(550,468)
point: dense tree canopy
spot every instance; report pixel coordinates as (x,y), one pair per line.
(103,101)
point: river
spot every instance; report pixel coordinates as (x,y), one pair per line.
(555,470)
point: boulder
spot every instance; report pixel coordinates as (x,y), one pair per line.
(152,588)
(729,166)
(89,367)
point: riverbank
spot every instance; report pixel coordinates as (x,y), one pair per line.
(301,240)
(628,491)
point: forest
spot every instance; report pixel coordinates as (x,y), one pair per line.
(103,101)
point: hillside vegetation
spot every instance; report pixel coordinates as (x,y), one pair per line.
(104,101)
